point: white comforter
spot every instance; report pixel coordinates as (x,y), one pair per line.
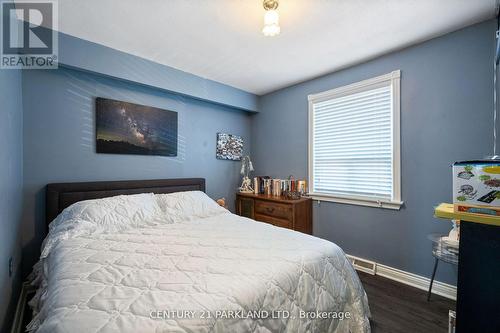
(213,274)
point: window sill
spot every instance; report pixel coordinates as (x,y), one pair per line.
(395,205)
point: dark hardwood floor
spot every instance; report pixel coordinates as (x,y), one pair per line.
(396,307)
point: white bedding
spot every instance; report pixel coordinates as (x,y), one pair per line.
(140,278)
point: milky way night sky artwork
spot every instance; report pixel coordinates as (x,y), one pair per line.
(126,128)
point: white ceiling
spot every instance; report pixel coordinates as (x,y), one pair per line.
(221,39)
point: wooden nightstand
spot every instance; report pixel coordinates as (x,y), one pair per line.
(278,211)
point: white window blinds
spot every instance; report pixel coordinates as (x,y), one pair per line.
(354,143)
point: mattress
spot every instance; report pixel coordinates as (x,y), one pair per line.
(221,273)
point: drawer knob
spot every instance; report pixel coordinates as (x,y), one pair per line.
(270,209)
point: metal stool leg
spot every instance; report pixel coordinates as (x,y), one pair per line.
(432,279)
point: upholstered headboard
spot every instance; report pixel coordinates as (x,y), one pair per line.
(62,195)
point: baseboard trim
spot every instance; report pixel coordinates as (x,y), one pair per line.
(417,281)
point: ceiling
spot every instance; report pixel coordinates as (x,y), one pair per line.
(221,39)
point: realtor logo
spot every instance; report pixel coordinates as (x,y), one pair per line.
(29,36)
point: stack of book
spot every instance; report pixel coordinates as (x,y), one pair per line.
(277,187)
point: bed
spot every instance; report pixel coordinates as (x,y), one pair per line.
(161,256)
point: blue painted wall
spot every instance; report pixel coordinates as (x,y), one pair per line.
(59,141)
(446,115)
(95,58)
(11,181)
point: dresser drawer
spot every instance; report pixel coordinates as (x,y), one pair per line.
(274,221)
(273,209)
(278,211)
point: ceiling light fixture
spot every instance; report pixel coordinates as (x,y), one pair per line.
(271,18)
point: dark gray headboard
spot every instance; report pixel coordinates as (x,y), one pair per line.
(62,195)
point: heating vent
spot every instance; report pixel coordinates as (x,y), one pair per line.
(363,264)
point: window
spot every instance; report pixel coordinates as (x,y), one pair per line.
(354,154)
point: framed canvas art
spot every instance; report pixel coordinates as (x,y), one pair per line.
(229,147)
(127,128)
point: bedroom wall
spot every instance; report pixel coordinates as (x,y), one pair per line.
(11,181)
(59,136)
(446,115)
(74,53)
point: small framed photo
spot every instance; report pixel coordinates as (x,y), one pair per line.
(229,147)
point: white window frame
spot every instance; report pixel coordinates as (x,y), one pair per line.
(394,79)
